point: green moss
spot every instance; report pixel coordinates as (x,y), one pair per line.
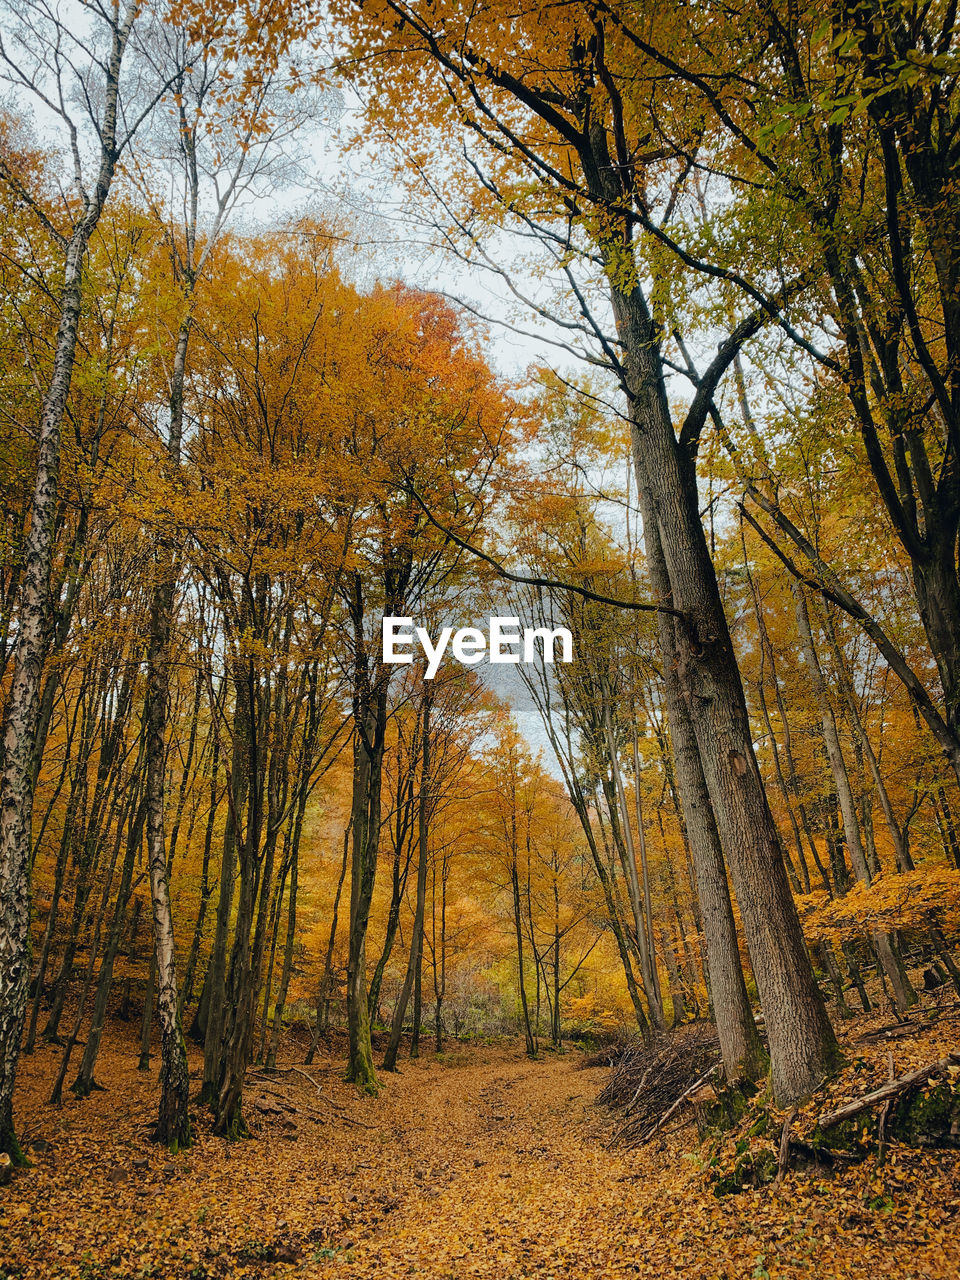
(856,1135)
(760,1125)
(360,1069)
(10,1144)
(363,1074)
(727,1110)
(233,1129)
(751,1169)
(928,1117)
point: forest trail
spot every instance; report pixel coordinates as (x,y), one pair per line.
(477,1164)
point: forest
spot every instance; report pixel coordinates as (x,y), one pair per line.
(339,340)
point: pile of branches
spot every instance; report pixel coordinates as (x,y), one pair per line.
(613,1052)
(650,1081)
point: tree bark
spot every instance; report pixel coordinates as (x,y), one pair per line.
(85,1081)
(803,1047)
(24,703)
(744,1056)
(173,1121)
(423,859)
(287,968)
(628,861)
(903,994)
(323,999)
(367,776)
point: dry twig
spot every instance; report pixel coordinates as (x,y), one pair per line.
(784,1158)
(889,1090)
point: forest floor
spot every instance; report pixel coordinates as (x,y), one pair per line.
(476,1163)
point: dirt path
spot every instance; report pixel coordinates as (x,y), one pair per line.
(482,1164)
(501,1164)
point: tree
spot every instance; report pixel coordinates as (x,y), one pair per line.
(32,60)
(570,130)
(617,650)
(424,806)
(231,156)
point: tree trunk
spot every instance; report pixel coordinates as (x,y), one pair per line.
(948,832)
(556,1029)
(393,921)
(276,910)
(903,994)
(125,1010)
(173,1122)
(628,861)
(833,973)
(617,927)
(743,1053)
(91,831)
(146,1022)
(803,1047)
(853,968)
(367,779)
(216,978)
(20,730)
(417,1002)
(58,877)
(56,1096)
(416,941)
(642,842)
(186,991)
(439,956)
(85,1083)
(767,657)
(518,929)
(673,973)
(287,961)
(326,980)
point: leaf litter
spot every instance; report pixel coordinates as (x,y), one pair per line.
(476,1163)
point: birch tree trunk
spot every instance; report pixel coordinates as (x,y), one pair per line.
(34,609)
(173,1122)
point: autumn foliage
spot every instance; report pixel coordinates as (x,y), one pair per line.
(239,845)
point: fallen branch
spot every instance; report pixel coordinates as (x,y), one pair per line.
(698,1084)
(331,1102)
(891,1029)
(888,1090)
(649,1077)
(267,1108)
(360,1124)
(643,1080)
(263,1089)
(784,1157)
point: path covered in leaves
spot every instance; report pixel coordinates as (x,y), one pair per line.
(480,1164)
